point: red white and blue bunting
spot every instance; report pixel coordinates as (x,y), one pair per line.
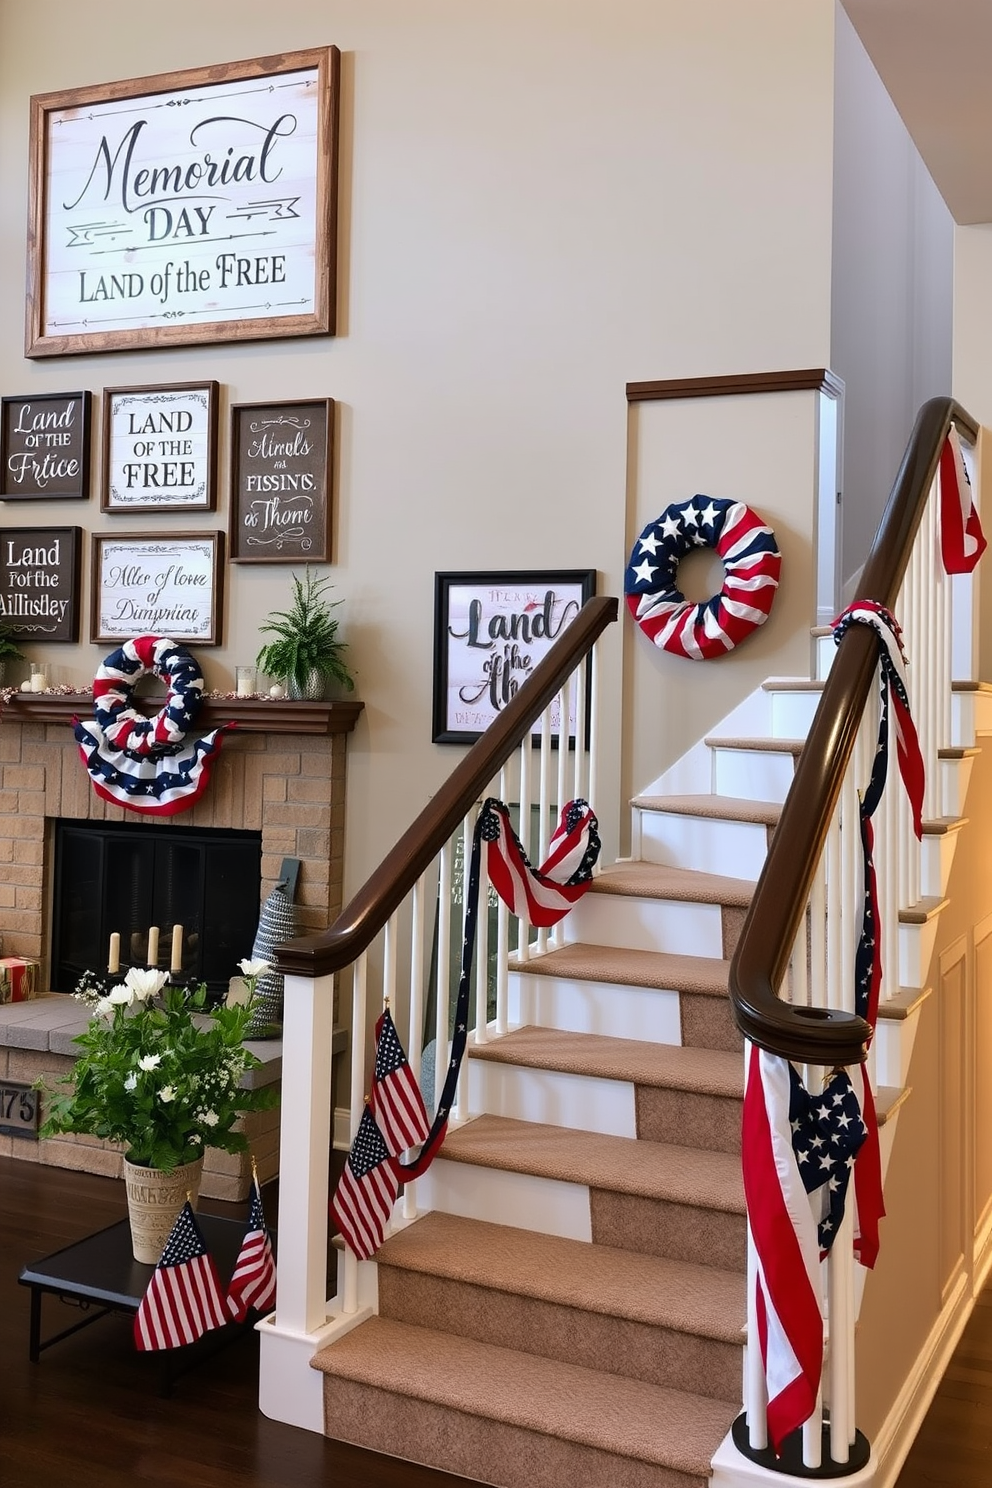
(751,560)
(147,764)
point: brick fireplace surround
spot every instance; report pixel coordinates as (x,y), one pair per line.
(281,772)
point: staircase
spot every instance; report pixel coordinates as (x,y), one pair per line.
(572,1308)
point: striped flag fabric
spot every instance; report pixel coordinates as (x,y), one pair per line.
(962,541)
(788,1304)
(366,1191)
(541,896)
(253,1282)
(396,1101)
(184,1299)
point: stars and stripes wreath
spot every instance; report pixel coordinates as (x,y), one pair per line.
(394,1118)
(147,764)
(752,564)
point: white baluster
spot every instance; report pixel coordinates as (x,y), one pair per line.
(581,752)
(818,937)
(835,914)
(482,956)
(524,832)
(545,798)
(460,1111)
(443,975)
(359,1087)
(502,948)
(594,690)
(415,1035)
(840,1270)
(557,937)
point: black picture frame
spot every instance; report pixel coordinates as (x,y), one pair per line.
(511,609)
(45,446)
(281,476)
(40,582)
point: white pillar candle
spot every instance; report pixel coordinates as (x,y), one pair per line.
(176,963)
(114,956)
(153,946)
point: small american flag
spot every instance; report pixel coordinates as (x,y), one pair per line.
(254,1281)
(396,1101)
(366,1190)
(184,1298)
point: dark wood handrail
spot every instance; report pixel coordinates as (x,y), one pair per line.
(360,921)
(827,1036)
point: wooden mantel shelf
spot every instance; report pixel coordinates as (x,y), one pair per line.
(256,715)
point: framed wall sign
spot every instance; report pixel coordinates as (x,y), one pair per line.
(160,448)
(490,632)
(45,446)
(194,206)
(281,462)
(39,582)
(168,585)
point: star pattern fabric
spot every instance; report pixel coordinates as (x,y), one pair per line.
(752,564)
(827,1134)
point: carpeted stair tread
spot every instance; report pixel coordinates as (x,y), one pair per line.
(624,1417)
(659,881)
(717,808)
(624,1165)
(647,1289)
(665,971)
(671,1066)
(759,744)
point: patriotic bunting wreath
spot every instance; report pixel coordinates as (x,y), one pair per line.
(751,560)
(145,764)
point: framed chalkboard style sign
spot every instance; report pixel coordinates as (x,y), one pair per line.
(39,582)
(195,206)
(281,463)
(162,584)
(160,448)
(45,447)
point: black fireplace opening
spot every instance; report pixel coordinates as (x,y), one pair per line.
(122,877)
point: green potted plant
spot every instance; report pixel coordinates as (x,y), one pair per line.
(306,650)
(162,1074)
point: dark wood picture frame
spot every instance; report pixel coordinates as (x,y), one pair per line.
(185,208)
(173,465)
(507,622)
(282,464)
(40,433)
(39,582)
(157,599)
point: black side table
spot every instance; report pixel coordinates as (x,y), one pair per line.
(101,1273)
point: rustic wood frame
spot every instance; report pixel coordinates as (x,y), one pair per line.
(322,493)
(209,463)
(81,493)
(445,729)
(81,104)
(26,630)
(146,625)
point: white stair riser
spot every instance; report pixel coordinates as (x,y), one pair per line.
(502,1197)
(826,650)
(955,776)
(963,719)
(556,1098)
(646,924)
(792,713)
(936,857)
(704,843)
(595,1007)
(915,949)
(893,1048)
(755,774)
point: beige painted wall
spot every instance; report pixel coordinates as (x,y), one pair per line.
(540,202)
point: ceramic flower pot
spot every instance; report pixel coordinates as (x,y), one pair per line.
(154,1200)
(310,691)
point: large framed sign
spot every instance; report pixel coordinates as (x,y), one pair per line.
(39,582)
(160,447)
(490,631)
(45,447)
(281,461)
(153,584)
(195,206)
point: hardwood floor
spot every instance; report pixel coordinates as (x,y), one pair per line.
(89,1415)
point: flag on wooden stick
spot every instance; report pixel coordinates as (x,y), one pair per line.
(184,1298)
(366,1191)
(253,1284)
(396,1101)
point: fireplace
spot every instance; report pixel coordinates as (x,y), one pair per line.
(124,877)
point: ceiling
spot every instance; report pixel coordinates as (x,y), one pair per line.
(935,59)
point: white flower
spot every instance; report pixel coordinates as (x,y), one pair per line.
(103,1008)
(131,1081)
(149,1061)
(196,1137)
(254,968)
(145,984)
(167,1093)
(209,1118)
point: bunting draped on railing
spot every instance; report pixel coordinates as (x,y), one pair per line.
(962,541)
(394,1118)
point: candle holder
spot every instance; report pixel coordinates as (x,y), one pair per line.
(245,683)
(39,676)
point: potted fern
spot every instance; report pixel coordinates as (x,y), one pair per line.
(305,651)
